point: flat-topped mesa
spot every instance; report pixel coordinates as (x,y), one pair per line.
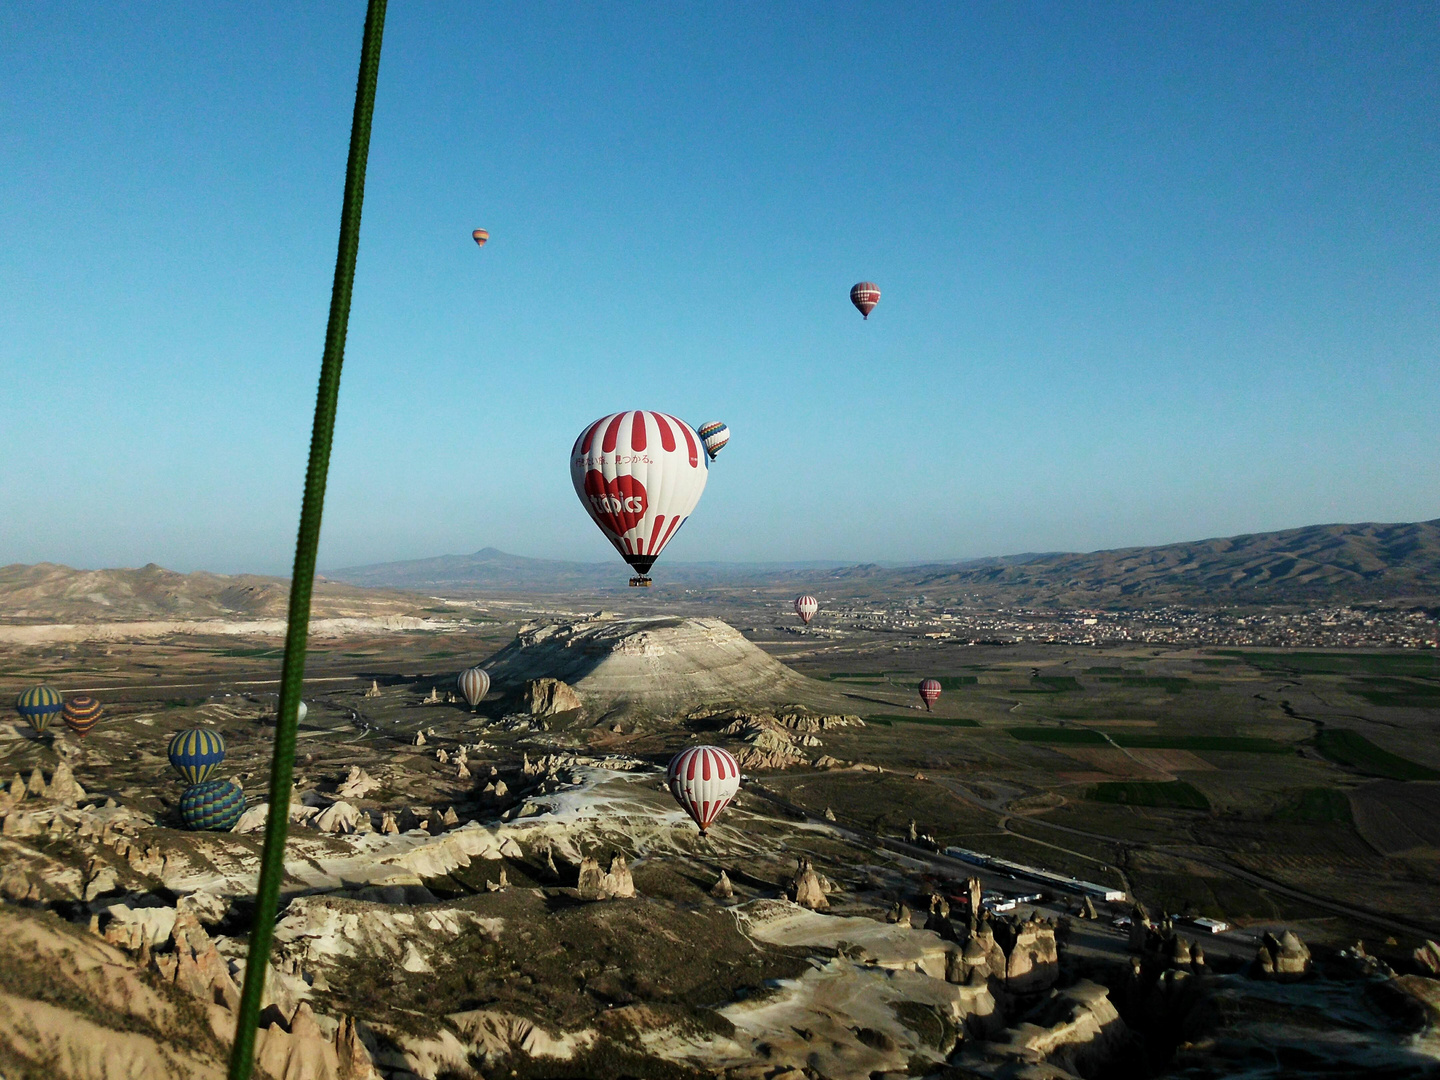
(656,664)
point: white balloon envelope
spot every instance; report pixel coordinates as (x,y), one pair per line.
(703,780)
(639,475)
(474,684)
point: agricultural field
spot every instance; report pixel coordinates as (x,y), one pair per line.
(1197,775)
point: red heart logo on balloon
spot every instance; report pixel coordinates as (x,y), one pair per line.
(618,504)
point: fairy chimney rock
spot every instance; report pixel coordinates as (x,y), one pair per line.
(805,887)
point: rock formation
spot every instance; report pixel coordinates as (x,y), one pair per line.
(546,697)
(595,884)
(1428,957)
(1140,927)
(804,887)
(662,665)
(722,889)
(1077,1029)
(1284,959)
(1033,962)
(357,784)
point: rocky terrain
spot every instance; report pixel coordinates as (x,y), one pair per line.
(510,891)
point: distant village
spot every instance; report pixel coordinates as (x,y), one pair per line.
(1337,627)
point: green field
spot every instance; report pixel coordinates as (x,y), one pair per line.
(1396,693)
(889,719)
(1354,750)
(1058,736)
(1104,671)
(1237,744)
(1171,684)
(1176,794)
(1319,806)
(1327,663)
(954,682)
(1085,737)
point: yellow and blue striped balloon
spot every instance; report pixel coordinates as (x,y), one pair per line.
(196,753)
(39,705)
(215,804)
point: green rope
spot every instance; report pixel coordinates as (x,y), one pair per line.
(282,764)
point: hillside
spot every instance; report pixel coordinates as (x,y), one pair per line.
(1315,564)
(48,592)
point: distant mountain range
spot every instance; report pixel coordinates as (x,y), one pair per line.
(1315,564)
(491,569)
(1320,564)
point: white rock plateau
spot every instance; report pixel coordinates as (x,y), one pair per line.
(660,664)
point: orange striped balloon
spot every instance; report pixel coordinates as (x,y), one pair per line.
(81,713)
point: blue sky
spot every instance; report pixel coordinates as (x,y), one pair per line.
(1151,272)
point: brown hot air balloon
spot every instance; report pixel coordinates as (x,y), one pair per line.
(865,295)
(480,236)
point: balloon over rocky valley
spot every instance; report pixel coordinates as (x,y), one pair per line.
(81,713)
(474,684)
(703,780)
(639,475)
(806,607)
(196,753)
(212,805)
(39,705)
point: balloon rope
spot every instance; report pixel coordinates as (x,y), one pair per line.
(282,764)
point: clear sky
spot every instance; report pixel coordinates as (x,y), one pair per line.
(1151,272)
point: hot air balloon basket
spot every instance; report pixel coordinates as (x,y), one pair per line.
(641,582)
(213,805)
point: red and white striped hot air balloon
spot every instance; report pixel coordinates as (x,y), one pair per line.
(638,475)
(806,607)
(929,692)
(865,295)
(703,780)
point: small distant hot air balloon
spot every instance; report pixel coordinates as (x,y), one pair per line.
(929,692)
(39,705)
(474,684)
(865,295)
(638,474)
(480,236)
(714,434)
(196,753)
(213,804)
(81,713)
(301,711)
(703,780)
(806,607)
